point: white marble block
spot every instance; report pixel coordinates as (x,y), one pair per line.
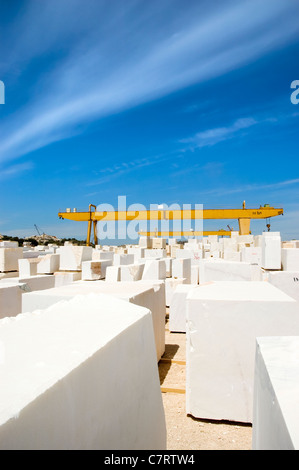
(38,282)
(194,274)
(194,255)
(63,279)
(276,391)
(10,299)
(271,250)
(181,268)
(232,256)
(225,270)
(138,253)
(145,242)
(223,320)
(92,270)
(28,267)
(159,243)
(112,274)
(30,254)
(287,281)
(230,244)
(149,294)
(168,263)
(155,253)
(71,257)
(9,258)
(170,286)
(123,259)
(178,308)
(290,259)
(131,272)
(174,249)
(154,269)
(81,375)
(155,302)
(8,244)
(48,264)
(102,255)
(251,254)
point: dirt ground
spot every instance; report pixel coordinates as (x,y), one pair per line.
(183,431)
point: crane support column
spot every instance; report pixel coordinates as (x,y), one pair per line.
(244,226)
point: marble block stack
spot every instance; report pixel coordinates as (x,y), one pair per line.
(81,375)
(223,321)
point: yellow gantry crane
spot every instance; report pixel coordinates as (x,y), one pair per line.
(243,216)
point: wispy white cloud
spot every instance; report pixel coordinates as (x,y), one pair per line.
(239,127)
(15,170)
(255,187)
(218,134)
(113,61)
(106,174)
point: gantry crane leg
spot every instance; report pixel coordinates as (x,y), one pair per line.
(244,226)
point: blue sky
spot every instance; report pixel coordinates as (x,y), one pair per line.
(159,101)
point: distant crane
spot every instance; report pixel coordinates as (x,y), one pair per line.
(40,234)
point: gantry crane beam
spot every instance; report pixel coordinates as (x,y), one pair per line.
(243,215)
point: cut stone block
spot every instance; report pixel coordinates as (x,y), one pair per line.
(145,294)
(290,259)
(174,249)
(178,308)
(224,270)
(194,255)
(230,244)
(131,272)
(71,257)
(138,253)
(159,243)
(156,304)
(102,255)
(181,268)
(28,267)
(271,250)
(48,264)
(276,391)
(154,270)
(10,300)
(251,254)
(38,282)
(9,258)
(170,286)
(223,320)
(123,259)
(62,279)
(112,274)
(8,244)
(287,281)
(168,263)
(93,270)
(232,256)
(81,375)
(30,254)
(8,275)
(145,242)
(155,253)
(194,274)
